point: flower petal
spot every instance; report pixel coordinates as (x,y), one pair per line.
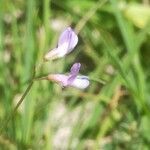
(74,72)
(67,41)
(59,78)
(58,52)
(75,68)
(68,36)
(81,82)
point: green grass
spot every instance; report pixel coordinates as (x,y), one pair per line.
(113,48)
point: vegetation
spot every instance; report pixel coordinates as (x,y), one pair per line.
(113,47)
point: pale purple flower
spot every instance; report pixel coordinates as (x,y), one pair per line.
(66,43)
(73,79)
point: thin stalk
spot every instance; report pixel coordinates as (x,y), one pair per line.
(89,15)
(23,96)
(16,107)
(19,102)
(40,78)
(101,81)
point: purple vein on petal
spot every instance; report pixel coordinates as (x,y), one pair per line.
(64,36)
(69,37)
(74,72)
(75,68)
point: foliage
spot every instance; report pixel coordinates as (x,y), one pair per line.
(113,46)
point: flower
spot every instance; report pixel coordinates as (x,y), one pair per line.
(73,79)
(66,43)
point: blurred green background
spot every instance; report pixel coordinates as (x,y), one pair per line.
(114,45)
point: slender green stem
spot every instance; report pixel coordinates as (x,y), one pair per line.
(23,96)
(16,107)
(19,102)
(40,78)
(89,15)
(101,81)
(39,66)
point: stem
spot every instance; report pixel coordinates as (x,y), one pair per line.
(23,96)
(16,107)
(39,66)
(89,15)
(40,78)
(101,81)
